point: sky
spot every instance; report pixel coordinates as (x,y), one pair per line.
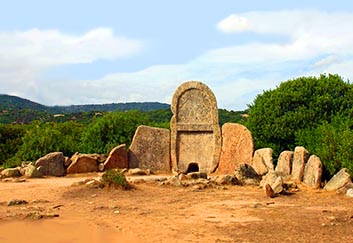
(95,52)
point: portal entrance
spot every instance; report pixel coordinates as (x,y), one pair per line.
(193,167)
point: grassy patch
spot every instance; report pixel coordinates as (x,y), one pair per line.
(115,178)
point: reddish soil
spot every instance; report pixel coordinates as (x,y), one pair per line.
(153,213)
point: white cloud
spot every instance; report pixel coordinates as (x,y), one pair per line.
(25,55)
(43,48)
(313,42)
(234,23)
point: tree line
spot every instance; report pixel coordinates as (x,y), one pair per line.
(94,134)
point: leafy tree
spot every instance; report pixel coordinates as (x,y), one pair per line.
(299,104)
(332,142)
(43,138)
(114,128)
(10,140)
(231,116)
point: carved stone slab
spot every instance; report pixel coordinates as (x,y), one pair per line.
(195,132)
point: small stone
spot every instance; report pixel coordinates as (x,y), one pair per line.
(117,211)
(269,192)
(246,175)
(197,175)
(101,167)
(136,171)
(256,205)
(196,187)
(275,181)
(10,172)
(182,177)
(349,192)
(138,181)
(16,202)
(226,180)
(32,172)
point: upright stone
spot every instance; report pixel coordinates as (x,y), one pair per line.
(313,172)
(52,164)
(117,158)
(195,132)
(237,147)
(284,164)
(300,158)
(150,149)
(263,161)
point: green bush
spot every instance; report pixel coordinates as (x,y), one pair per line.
(43,138)
(276,116)
(332,142)
(10,142)
(114,128)
(115,178)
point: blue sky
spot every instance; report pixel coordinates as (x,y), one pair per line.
(80,52)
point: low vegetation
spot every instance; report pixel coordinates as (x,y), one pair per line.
(115,179)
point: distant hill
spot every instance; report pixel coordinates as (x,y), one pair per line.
(19,110)
(14,109)
(8,102)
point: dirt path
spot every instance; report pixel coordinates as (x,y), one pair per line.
(153,213)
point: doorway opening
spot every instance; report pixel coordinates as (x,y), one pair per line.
(192,167)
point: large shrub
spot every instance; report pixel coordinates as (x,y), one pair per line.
(43,138)
(332,142)
(301,107)
(114,128)
(10,141)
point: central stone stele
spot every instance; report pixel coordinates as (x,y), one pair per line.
(195,131)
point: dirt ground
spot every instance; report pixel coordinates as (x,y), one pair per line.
(154,213)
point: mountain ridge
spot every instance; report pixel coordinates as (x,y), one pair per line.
(10,102)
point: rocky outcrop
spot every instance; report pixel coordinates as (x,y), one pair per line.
(338,181)
(52,164)
(284,164)
(150,149)
(262,161)
(313,172)
(237,147)
(117,158)
(300,157)
(83,163)
(246,175)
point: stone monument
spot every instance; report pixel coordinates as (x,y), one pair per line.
(195,132)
